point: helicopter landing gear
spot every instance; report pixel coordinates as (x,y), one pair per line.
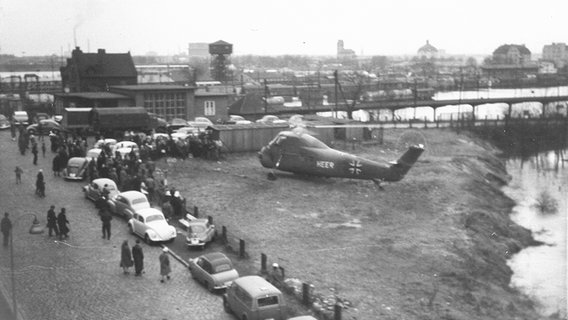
(378,184)
(271,176)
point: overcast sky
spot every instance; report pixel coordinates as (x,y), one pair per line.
(265,27)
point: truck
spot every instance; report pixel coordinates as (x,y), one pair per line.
(111,120)
(76,119)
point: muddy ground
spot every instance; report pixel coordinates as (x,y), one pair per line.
(433,246)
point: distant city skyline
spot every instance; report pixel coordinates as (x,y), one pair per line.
(260,27)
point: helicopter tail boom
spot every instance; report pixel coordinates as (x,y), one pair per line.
(405,162)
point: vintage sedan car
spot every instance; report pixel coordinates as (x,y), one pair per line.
(269,119)
(203,120)
(302,318)
(94,190)
(126,203)
(151,225)
(21,117)
(105,142)
(184,133)
(215,270)
(44,127)
(93,153)
(175,124)
(200,232)
(76,168)
(4,122)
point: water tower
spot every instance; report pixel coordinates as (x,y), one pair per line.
(220,52)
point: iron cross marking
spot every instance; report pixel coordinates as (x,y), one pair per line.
(355,167)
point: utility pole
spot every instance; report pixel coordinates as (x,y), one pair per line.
(266,94)
(336,80)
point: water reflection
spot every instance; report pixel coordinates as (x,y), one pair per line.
(541,271)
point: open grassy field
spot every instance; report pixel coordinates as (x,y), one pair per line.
(433,246)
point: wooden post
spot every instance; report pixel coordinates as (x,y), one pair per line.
(263,260)
(224,234)
(241,248)
(195,211)
(210,219)
(337,311)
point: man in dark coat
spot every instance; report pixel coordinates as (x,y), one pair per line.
(138,257)
(52,221)
(62,222)
(35,152)
(40,184)
(105,218)
(6,228)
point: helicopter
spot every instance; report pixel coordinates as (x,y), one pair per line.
(299,152)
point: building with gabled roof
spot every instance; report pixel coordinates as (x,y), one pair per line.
(511,54)
(88,72)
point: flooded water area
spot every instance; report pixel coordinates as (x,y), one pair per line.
(539,187)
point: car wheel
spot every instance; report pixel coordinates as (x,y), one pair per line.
(210,287)
(147,239)
(227,306)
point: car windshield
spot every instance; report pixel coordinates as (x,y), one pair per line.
(197,229)
(154,217)
(222,268)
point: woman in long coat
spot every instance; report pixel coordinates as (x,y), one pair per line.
(138,256)
(62,223)
(125,257)
(165,268)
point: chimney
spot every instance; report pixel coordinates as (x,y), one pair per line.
(101,51)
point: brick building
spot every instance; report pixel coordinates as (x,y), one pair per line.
(91,72)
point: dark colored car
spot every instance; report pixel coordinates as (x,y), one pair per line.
(44,127)
(76,169)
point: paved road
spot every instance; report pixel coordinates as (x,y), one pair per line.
(81,278)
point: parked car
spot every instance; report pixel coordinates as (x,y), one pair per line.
(125,147)
(4,122)
(151,225)
(175,124)
(254,298)
(93,153)
(21,117)
(201,126)
(94,190)
(234,119)
(215,270)
(271,119)
(184,133)
(76,169)
(303,318)
(200,232)
(105,142)
(203,120)
(44,127)
(127,203)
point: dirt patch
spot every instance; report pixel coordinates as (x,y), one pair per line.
(433,246)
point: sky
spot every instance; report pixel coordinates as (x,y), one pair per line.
(267,27)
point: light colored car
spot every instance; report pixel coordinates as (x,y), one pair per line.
(76,168)
(235,119)
(201,126)
(184,133)
(151,225)
(214,270)
(127,203)
(200,232)
(94,190)
(105,142)
(203,120)
(271,119)
(4,122)
(303,318)
(21,117)
(254,298)
(93,153)
(126,144)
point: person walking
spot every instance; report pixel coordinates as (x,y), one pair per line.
(125,257)
(62,223)
(6,228)
(35,152)
(165,268)
(43,147)
(138,256)
(105,218)
(18,172)
(40,184)
(52,221)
